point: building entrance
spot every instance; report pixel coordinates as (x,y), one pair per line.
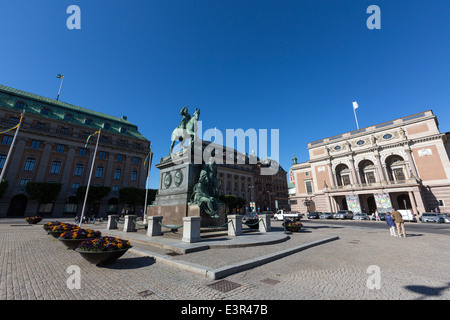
(17,206)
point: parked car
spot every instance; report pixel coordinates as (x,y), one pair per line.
(282,214)
(431,217)
(407,215)
(343,214)
(360,216)
(326,215)
(446,217)
(381,215)
(314,215)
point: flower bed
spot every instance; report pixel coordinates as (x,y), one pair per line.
(50,225)
(104,250)
(33,220)
(59,229)
(73,238)
(293,226)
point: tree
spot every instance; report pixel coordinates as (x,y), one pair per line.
(3,187)
(96,193)
(43,192)
(136,196)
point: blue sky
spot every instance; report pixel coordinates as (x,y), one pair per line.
(295,66)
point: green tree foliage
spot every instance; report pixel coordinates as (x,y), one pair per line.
(3,187)
(96,193)
(43,192)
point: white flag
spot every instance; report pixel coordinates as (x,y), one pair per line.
(355,105)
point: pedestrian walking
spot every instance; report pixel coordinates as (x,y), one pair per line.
(377,216)
(399,223)
(391,224)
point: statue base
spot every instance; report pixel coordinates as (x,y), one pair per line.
(174,214)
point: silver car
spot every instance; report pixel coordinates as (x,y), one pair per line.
(360,216)
(431,217)
(326,215)
(343,214)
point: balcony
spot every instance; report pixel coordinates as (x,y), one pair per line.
(376,185)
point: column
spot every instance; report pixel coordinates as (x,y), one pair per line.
(413,202)
(130,223)
(235,225)
(412,164)
(191,229)
(355,174)
(43,162)
(154,226)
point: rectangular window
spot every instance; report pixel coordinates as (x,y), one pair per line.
(64,131)
(45,111)
(120,157)
(78,169)
(35,144)
(102,155)
(56,167)
(13,120)
(117,174)
(2,160)
(99,172)
(23,182)
(75,185)
(115,188)
(60,148)
(7,140)
(40,125)
(133,175)
(82,152)
(309,189)
(136,160)
(29,164)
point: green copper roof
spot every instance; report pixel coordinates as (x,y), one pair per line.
(58,110)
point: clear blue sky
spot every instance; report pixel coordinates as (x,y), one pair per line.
(295,66)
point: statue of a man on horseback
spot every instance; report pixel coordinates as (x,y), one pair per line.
(186,129)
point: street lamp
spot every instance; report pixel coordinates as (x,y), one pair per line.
(251,191)
(307,203)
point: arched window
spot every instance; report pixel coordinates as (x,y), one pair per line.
(396,168)
(343,175)
(367,171)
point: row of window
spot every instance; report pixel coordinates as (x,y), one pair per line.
(67,116)
(75,185)
(79,167)
(35,144)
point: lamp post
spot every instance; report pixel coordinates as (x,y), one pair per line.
(252,208)
(307,203)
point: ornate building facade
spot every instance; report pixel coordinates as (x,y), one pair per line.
(403,163)
(50,147)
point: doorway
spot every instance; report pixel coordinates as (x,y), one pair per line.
(17,206)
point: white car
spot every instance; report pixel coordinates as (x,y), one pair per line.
(360,216)
(282,214)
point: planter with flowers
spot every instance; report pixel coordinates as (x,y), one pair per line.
(57,230)
(72,238)
(50,225)
(33,220)
(104,250)
(292,226)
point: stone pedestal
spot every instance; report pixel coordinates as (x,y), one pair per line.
(112,222)
(235,225)
(130,223)
(154,226)
(191,229)
(264,222)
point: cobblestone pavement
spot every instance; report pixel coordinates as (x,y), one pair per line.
(33,266)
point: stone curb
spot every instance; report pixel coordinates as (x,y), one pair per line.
(222,272)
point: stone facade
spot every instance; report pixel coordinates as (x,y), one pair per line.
(50,147)
(406,158)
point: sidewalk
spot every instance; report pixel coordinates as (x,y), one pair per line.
(34,266)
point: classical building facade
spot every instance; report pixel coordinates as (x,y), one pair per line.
(403,163)
(50,147)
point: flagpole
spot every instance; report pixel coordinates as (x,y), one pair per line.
(355,106)
(148,179)
(90,176)
(11,148)
(60,85)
